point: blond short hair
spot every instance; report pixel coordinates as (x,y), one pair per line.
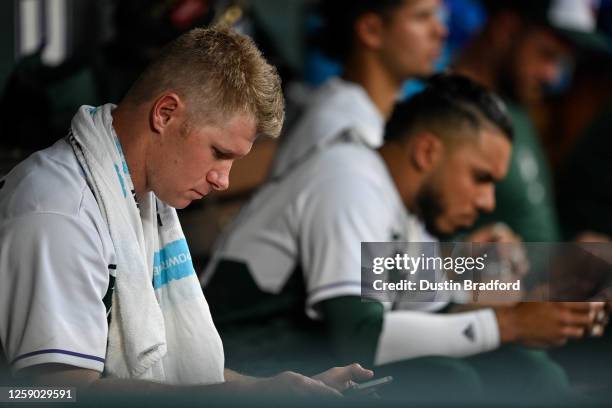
(220,73)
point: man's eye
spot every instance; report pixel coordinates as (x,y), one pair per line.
(425,15)
(217,154)
(221,155)
(483,178)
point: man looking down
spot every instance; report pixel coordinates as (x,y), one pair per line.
(293,255)
(98,285)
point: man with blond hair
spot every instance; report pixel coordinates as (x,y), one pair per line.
(98,285)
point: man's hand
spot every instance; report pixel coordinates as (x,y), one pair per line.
(329,383)
(586,237)
(510,252)
(497,232)
(602,318)
(341,378)
(545,324)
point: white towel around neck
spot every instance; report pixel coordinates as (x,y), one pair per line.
(161,328)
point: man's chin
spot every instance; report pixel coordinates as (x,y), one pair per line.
(434,228)
(424,73)
(178,204)
(461,230)
(444,235)
(532,96)
(447,231)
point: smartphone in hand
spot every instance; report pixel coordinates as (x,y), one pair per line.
(367,387)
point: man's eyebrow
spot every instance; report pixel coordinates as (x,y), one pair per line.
(226,152)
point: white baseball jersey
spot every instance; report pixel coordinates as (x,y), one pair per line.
(55,255)
(336,106)
(316,218)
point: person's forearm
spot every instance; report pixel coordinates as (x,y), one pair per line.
(327,384)
(148,388)
(504,313)
(142,388)
(353,327)
(508,326)
(90,381)
(233,381)
(409,334)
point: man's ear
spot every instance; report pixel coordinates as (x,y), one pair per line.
(167,108)
(426,151)
(368,30)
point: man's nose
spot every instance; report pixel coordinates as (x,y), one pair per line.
(219,178)
(440,29)
(486,199)
(551,72)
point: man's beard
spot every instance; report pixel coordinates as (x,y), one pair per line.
(429,208)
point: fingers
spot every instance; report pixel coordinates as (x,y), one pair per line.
(503,233)
(341,378)
(584,313)
(553,324)
(301,385)
(602,317)
(358,373)
(572,332)
(570,318)
(318,388)
(584,306)
(583,318)
(597,330)
(482,235)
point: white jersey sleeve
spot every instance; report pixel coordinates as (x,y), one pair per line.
(412,334)
(335,222)
(54,277)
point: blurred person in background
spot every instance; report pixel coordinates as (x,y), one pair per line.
(584,199)
(520,52)
(293,258)
(584,196)
(380,44)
